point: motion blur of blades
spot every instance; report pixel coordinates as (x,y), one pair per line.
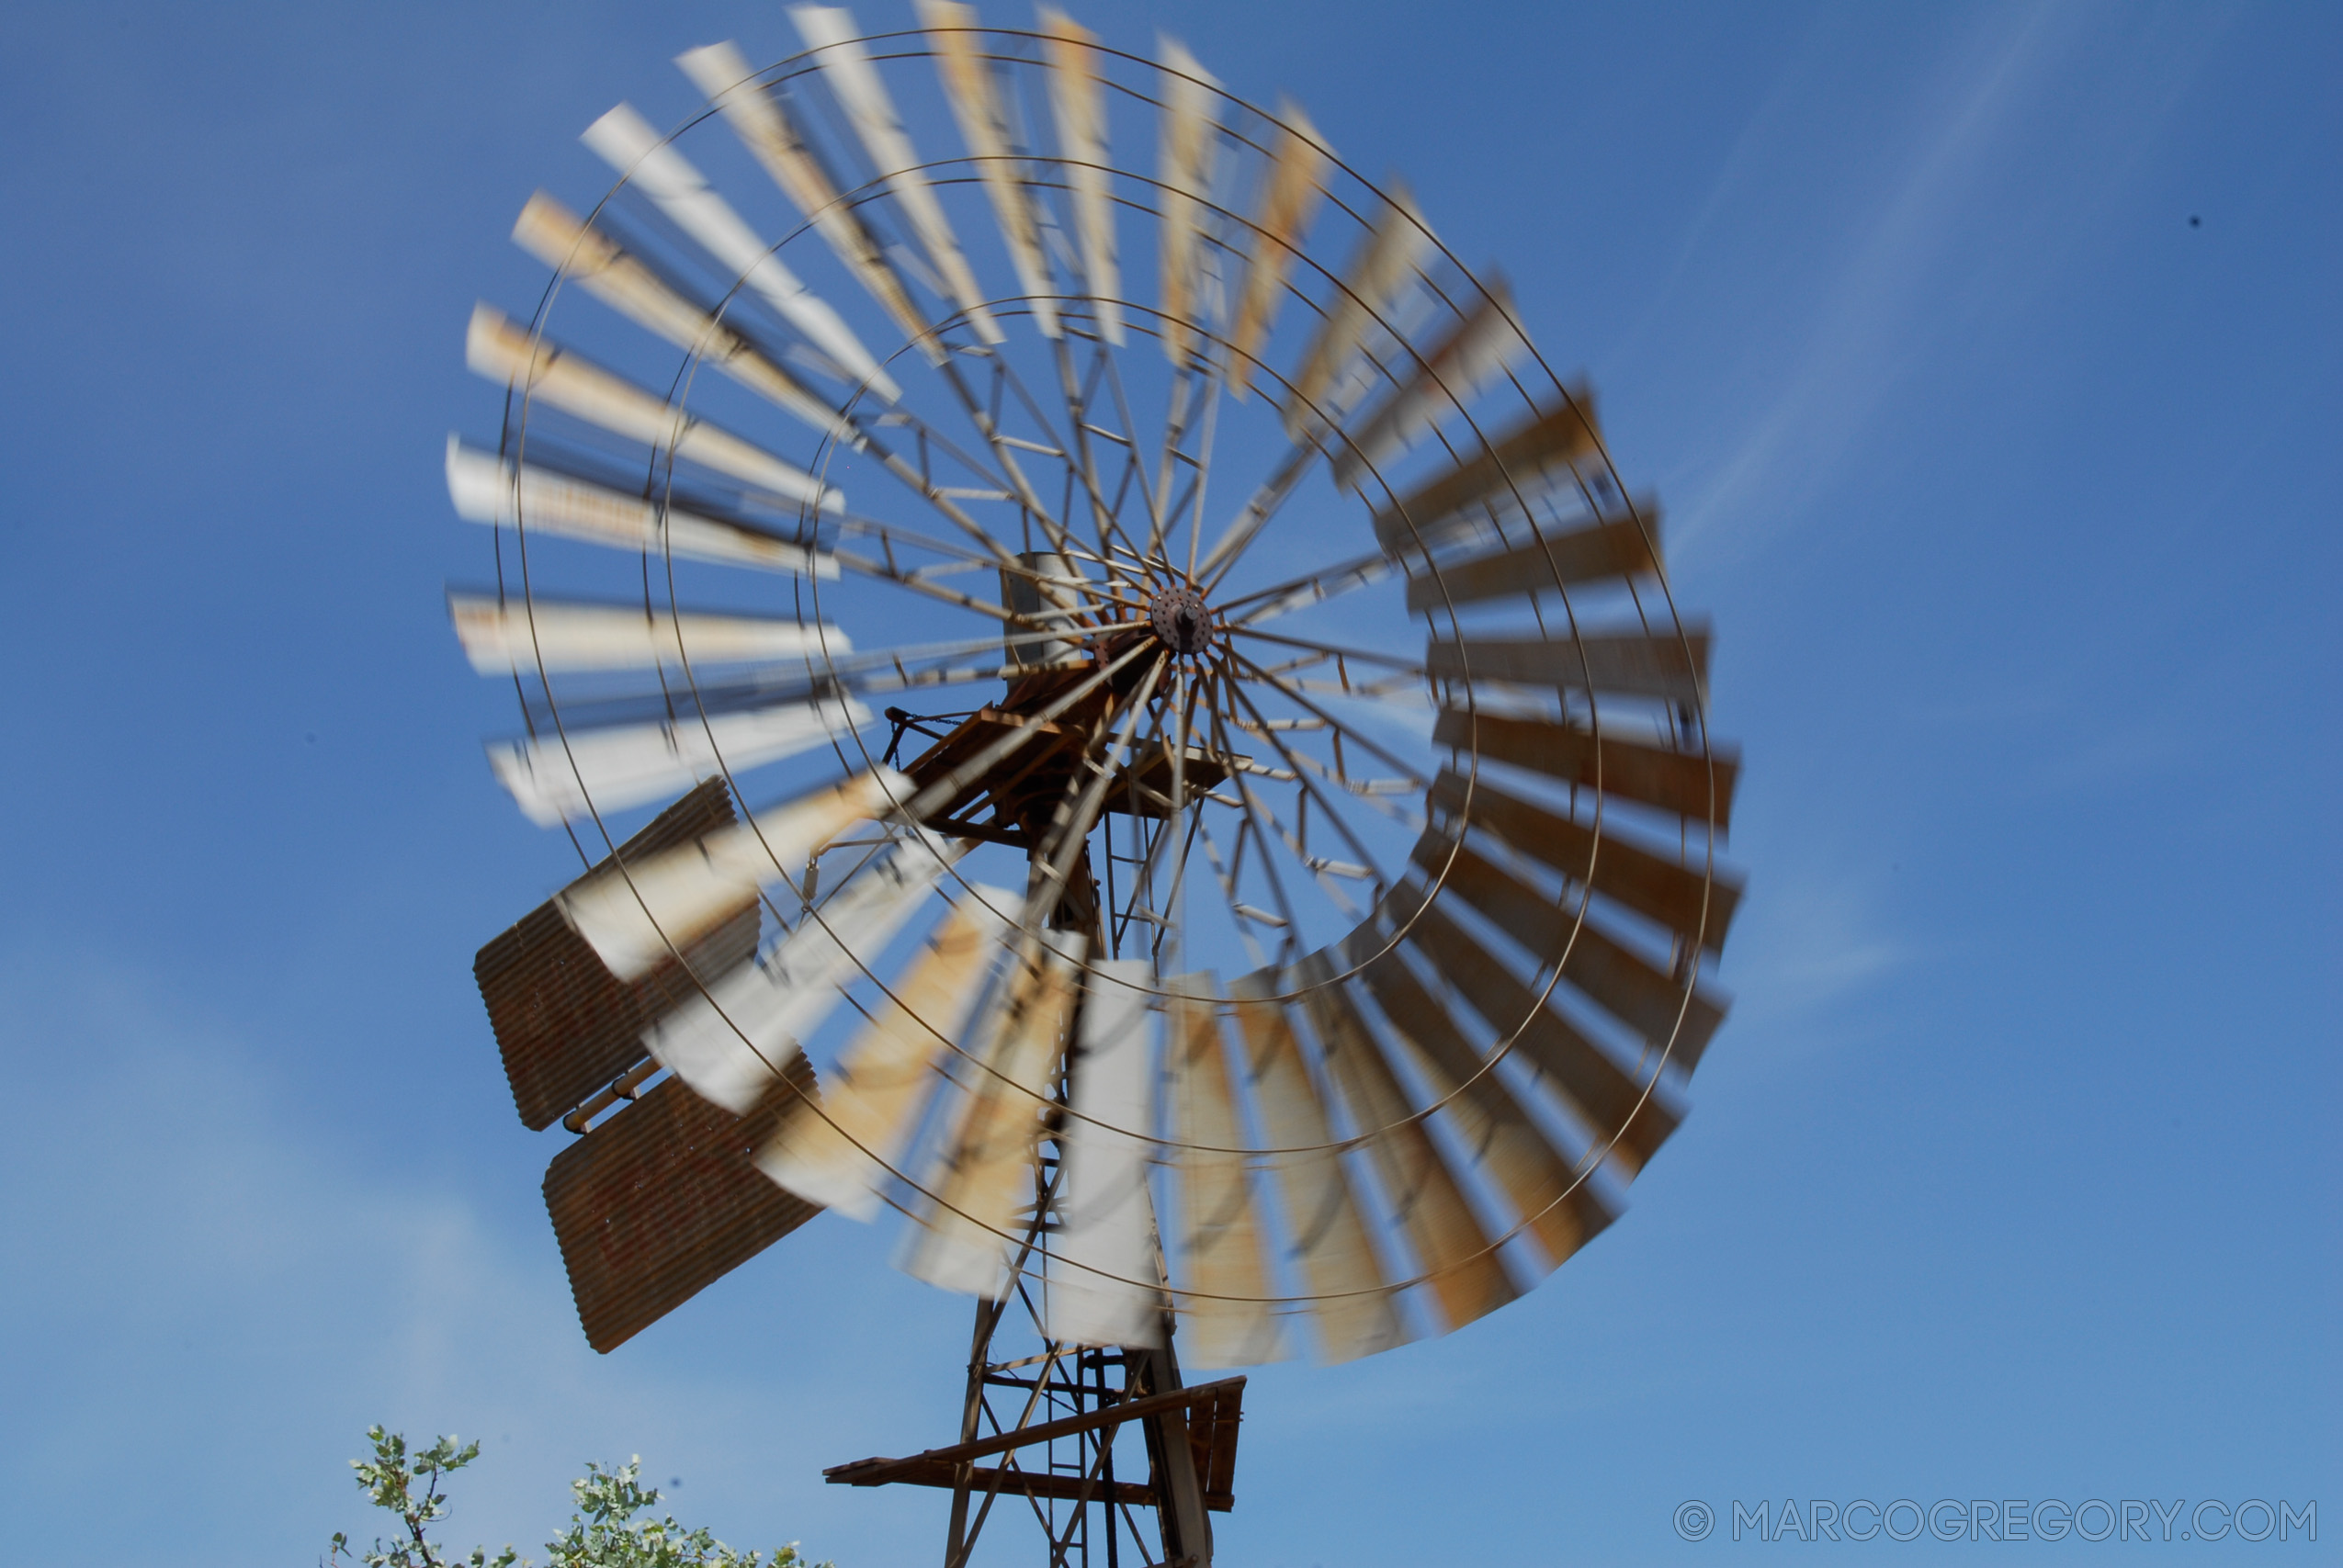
(1104,688)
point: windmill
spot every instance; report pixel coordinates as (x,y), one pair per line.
(1064,603)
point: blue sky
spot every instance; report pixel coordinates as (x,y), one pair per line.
(2013,1174)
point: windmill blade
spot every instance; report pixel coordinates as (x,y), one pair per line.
(1385,259)
(662,1200)
(1296,170)
(1674,668)
(498,350)
(986,1171)
(848,69)
(1078,104)
(1611,975)
(731,1040)
(1491,477)
(840,1156)
(1692,785)
(565,1026)
(1223,1276)
(976,105)
(625,141)
(1627,547)
(1107,1236)
(1452,1248)
(1685,898)
(758,119)
(502,635)
(1614,1108)
(1188,149)
(1355,1314)
(486,488)
(1562,1211)
(576,250)
(1482,346)
(573,772)
(632,913)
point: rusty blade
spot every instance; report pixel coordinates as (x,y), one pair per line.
(499,350)
(1602,550)
(730,1040)
(1442,382)
(1602,1094)
(853,77)
(565,1026)
(1467,1277)
(1104,1285)
(562,774)
(839,1157)
(1685,899)
(1384,260)
(985,1173)
(578,251)
(1504,1142)
(502,635)
(1354,1310)
(1490,474)
(976,105)
(1686,783)
(758,119)
(1290,199)
(1221,1253)
(661,1202)
(625,141)
(1079,106)
(485,489)
(632,913)
(1611,975)
(1188,149)
(1630,664)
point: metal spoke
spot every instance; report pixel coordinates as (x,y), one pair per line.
(1365,656)
(1300,701)
(1302,767)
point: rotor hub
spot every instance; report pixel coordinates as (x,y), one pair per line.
(1181,619)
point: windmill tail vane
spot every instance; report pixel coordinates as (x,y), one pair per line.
(1039,590)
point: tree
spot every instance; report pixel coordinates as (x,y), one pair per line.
(603,1532)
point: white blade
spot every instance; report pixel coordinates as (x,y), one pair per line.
(576,250)
(731,1041)
(839,1157)
(557,777)
(1184,166)
(1376,273)
(967,83)
(500,350)
(502,635)
(1109,1237)
(758,121)
(986,1172)
(1286,208)
(1080,108)
(1484,344)
(851,75)
(486,488)
(631,915)
(1226,1322)
(1355,1314)
(626,143)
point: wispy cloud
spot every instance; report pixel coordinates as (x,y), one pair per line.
(185,1237)
(1864,310)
